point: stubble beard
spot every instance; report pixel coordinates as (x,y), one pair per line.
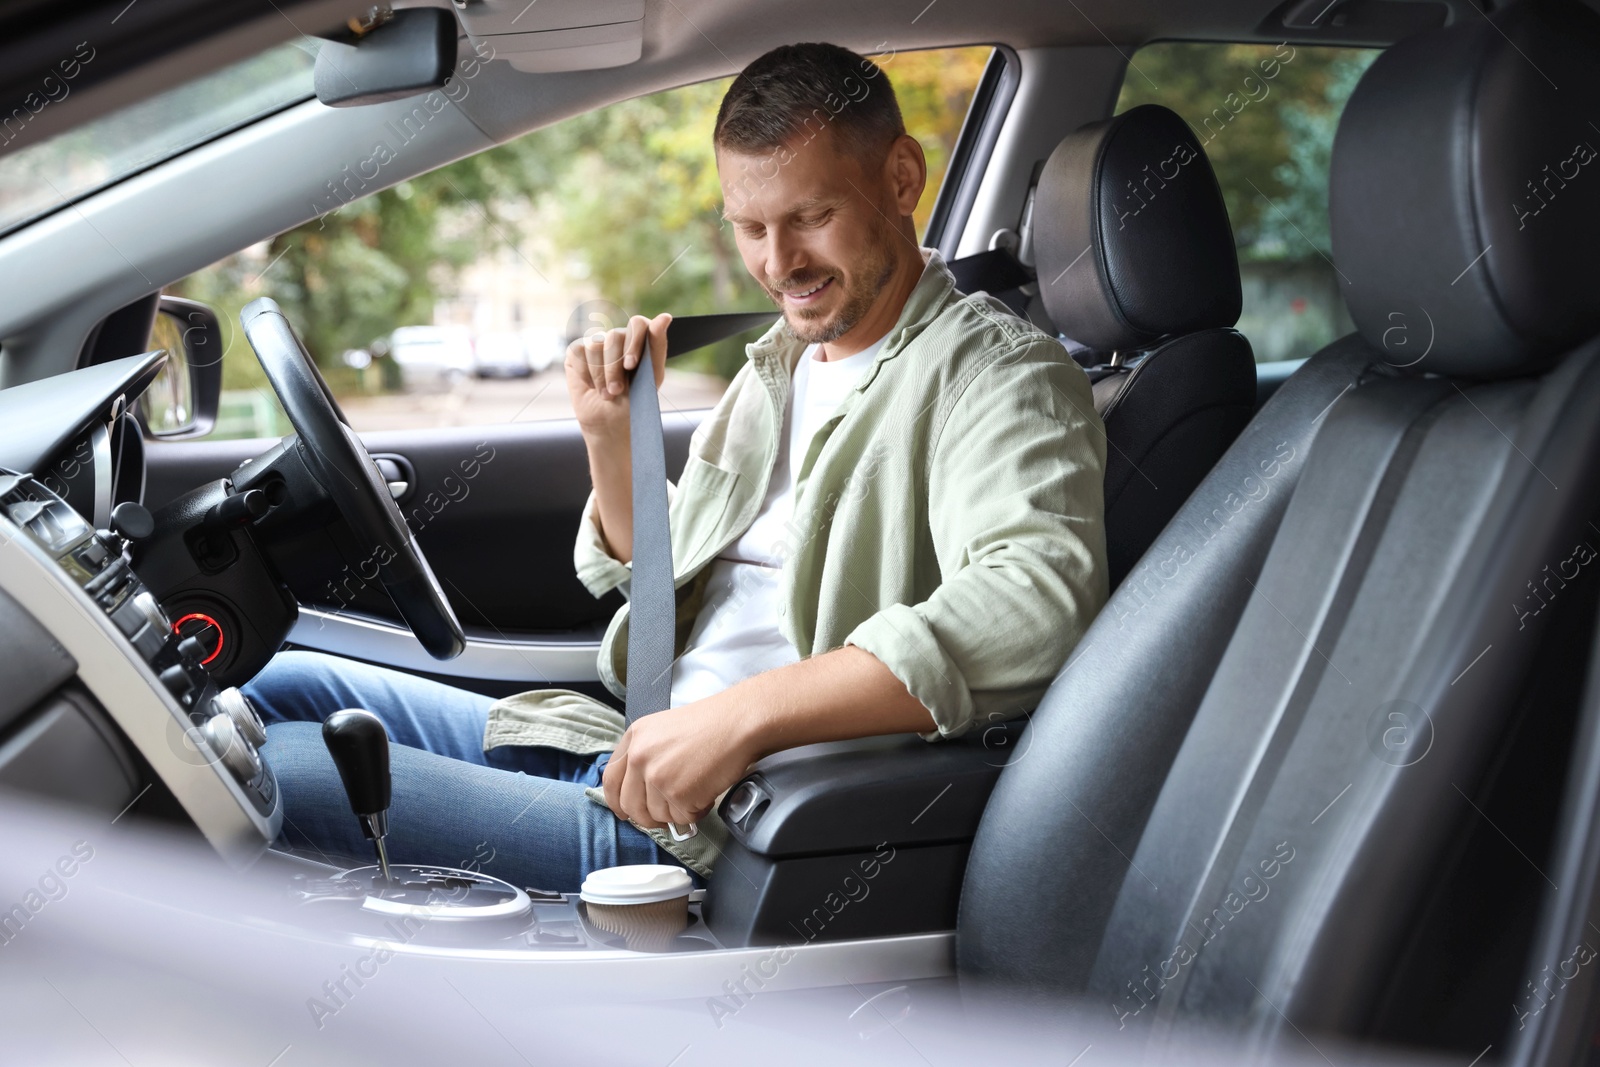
(879,268)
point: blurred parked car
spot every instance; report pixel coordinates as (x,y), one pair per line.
(431,354)
(500,355)
(545,350)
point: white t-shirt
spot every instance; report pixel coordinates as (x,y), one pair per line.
(736,634)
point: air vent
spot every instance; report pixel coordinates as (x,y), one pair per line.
(43,514)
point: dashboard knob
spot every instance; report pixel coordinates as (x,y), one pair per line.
(237,754)
(133,522)
(200,638)
(236,706)
(176,679)
(152,612)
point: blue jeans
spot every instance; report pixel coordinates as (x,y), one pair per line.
(517,812)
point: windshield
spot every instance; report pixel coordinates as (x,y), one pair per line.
(38,179)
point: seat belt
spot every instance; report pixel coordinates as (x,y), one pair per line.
(994,272)
(652,597)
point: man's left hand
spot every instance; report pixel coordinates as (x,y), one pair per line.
(671,766)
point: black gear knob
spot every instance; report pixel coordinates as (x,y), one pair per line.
(359,746)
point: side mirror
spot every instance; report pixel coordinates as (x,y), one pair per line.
(183,399)
(413,52)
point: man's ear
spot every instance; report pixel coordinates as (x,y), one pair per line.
(907,172)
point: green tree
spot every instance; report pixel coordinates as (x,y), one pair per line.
(1265,115)
(1308,129)
(356,272)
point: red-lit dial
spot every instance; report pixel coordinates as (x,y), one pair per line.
(203,628)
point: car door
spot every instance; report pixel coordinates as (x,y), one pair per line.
(495,509)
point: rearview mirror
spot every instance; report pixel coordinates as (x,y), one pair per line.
(182,400)
(413,52)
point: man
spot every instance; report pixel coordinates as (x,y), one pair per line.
(892,522)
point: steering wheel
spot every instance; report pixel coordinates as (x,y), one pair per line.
(339,462)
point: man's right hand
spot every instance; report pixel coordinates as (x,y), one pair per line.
(598,368)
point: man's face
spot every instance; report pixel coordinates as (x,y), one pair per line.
(810,222)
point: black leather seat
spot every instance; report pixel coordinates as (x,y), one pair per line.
(1136,261)
(1276,784)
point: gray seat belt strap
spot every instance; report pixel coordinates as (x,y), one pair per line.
(652,608)
(652,599)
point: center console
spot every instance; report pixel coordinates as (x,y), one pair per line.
(440,907)
(854,839)
(448,906)
(140,671)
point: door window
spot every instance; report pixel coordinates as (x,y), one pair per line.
(1266,116)
(450,299)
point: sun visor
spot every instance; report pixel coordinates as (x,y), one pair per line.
(556,35)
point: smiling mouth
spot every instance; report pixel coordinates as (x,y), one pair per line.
(807,296)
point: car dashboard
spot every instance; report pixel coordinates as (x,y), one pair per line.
(103,703)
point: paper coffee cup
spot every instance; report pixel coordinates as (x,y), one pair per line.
(646,903)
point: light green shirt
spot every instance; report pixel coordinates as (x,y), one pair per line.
(949,519)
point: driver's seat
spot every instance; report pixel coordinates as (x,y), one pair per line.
(1157,284)
(1136,261)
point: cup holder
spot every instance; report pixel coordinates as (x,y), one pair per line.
(448,907)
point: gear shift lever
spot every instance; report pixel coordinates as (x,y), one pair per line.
(359,746)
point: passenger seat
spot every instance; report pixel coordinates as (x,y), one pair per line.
(1302,771)
(1136,261)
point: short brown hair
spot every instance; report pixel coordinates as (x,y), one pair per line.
(796,88)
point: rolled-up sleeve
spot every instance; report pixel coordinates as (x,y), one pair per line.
(1016,511)
(598,570)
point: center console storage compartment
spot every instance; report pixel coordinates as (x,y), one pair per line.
(853,839)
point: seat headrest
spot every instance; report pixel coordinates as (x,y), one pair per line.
(1464,197)
(1131,236)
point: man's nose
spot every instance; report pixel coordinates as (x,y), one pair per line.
(784,256)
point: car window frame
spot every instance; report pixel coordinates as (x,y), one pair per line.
(969,161)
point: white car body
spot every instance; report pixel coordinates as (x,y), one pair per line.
(430,353)
(500,355)
(545,350)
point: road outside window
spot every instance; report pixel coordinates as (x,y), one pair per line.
(449,300)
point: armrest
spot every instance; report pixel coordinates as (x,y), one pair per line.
(807,859)
(852,796)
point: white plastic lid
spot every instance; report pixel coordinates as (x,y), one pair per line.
(639,883)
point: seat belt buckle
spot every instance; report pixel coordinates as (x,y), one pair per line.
(685,834)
